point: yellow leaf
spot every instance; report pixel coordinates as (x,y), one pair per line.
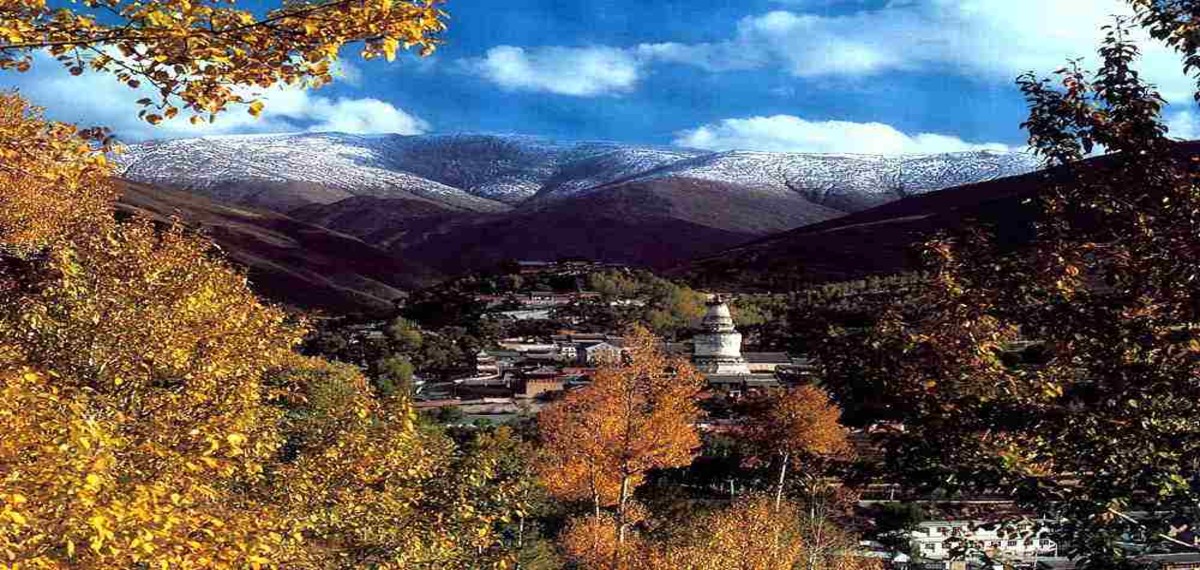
(389,48)
(255,108)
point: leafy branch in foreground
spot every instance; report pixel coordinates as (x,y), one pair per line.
(202,56)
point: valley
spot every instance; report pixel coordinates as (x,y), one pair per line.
(452,204)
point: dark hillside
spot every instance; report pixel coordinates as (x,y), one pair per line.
(881,240)
(655,223)
(287,260)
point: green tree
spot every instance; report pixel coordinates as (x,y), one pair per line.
(405,335)
(394,376)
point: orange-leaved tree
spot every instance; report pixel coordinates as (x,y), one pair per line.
(756,533)
(592,542)
(799,426)
(639,413)
(201,56)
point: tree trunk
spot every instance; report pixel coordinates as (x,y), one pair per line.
(595,495)
(621,500)
(782,479)
(520,540)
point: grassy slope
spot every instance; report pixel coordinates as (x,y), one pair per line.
(287,260)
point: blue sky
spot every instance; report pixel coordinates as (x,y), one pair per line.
(886,76)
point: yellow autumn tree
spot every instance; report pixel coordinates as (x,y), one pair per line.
(201,56)
(638,414)
(136,413)
(376,490)
(155,414)
(755,533)
(55,178)
(799,426)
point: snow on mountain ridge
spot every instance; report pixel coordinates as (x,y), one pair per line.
(485,172)
(236,168)
(848,181)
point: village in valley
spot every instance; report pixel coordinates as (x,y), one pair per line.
(604,285)
(566,333)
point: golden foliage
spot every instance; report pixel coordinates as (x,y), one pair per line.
(752,534)
(136,418)
(799,422)
(201,56)
(155,415)
(55,178)
(638,414)
(592,542)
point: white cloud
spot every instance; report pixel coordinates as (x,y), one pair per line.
(98,99)
(304,111)
(580,72)
(988,40)
(787,133)
(1184,125)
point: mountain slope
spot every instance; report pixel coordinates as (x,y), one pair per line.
(281,172)
(878,241)
(388,223)
(455,202)
(287,260)
(848,182)
(657,223)
(884,240)
(482,173)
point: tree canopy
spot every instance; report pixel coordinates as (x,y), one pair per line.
(1063,373)
(201,57)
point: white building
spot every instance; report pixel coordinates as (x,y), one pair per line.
(717,348)
(568,351)
(939,540)
(597,353)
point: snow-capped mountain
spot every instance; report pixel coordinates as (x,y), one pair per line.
(491,173)
(282,172)
(848,182)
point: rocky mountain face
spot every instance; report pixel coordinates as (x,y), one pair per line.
(459,202)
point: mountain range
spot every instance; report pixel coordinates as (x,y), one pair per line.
(452,203)
(883,240)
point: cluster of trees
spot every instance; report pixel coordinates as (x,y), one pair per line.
(1061,371)
(599,445)
(155,412)
(670,309)
(157,415)
(391,352)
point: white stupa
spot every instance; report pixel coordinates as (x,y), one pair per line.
(717,348)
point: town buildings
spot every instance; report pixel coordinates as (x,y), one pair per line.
(965,539)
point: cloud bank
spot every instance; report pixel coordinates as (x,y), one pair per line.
(787,133)
(99,99)
(986,40)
